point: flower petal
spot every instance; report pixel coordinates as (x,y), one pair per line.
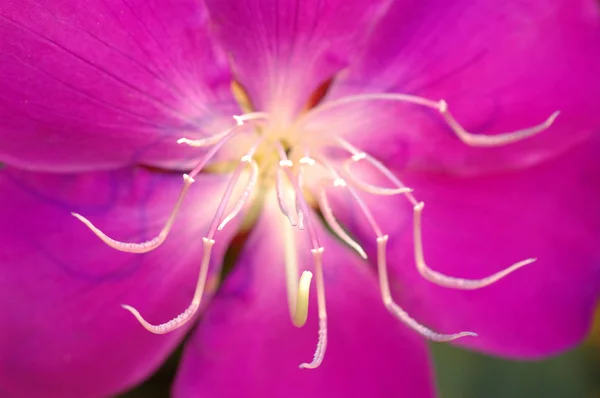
(500,67)
(284,50)
(64,333)
(475,227)
(107,83)
(246,344)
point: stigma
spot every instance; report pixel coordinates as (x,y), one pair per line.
(300,171)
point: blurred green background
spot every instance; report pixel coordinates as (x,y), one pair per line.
(463,374)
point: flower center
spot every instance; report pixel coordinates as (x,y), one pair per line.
(296,167)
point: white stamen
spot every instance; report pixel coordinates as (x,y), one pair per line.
(479,140)
(395,309)
(298,291)
(148,245)
(448,281)
(333,224)
(189,312)
(357,156)
(322,341)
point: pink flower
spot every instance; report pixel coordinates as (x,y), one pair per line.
(348,116)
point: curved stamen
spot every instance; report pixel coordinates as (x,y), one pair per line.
(298,291)
(365,186)
(384,287)
(331,220)
(357,156)
(322,342)
(189,312)
(245,195)
(212,140)
(483,140)
(208,240)
(480,140)
(148,245)
(317,252)
(298,194)
(447,281)
(395,309)
(281,199)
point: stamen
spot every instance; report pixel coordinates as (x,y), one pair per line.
(357,156)
(479,140)
(148,245)
(482,140)
(317,252)
(322,342)
(298,292)
(245,195)
(208,240)
(373,189)
(281,193)
(212,140)
(298,207)
(447,281)
(189,312)
(395,309)
(386,294)
(331,220)
(155,242)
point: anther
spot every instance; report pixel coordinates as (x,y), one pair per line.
(357,156)
(373,189)
(447,281)
(484,140)
(322,341)
(189,312)
(148,245)
(245,195)
(395,309)
(333,223)
(384,287)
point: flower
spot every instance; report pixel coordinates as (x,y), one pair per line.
(334,102)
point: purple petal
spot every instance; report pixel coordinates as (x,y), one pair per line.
(283,50)
(246,344)
(500,66)
(475,227)
(64,333)
(107,83)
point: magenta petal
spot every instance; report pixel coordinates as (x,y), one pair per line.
(64,333)
(500,66)
(283,50)
(246,344)
(105,83)
(475,227)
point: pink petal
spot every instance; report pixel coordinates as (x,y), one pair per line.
(474,227)
(284,50)
(500,66)
(246,344)
(64,333)
(104,83)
